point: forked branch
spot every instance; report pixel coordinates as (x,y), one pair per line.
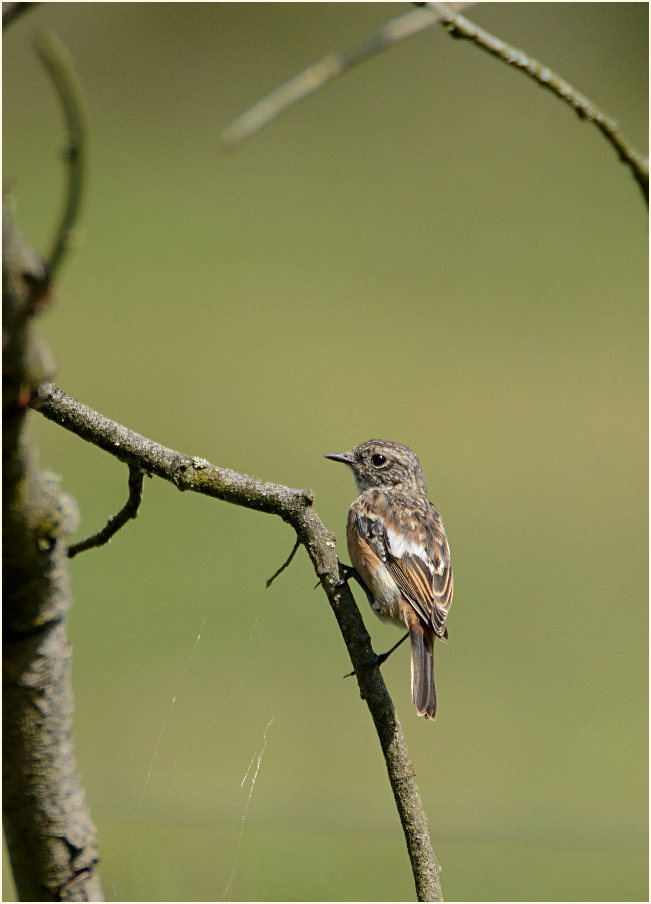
(294,506)
(396,30)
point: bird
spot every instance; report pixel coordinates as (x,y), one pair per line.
(400,553)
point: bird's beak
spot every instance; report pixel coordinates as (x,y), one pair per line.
(346,457)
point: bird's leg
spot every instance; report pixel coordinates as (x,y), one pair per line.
(380,658)
(347,572)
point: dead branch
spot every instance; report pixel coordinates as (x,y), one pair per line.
(460,27)
(295,506)
(128,511)
(329,67)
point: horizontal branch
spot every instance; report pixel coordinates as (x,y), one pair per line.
(184,471)
(295,507)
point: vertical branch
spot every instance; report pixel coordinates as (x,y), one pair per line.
(402,778)
(49,832)
(50,836)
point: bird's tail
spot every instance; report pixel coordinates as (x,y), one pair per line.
(423,691)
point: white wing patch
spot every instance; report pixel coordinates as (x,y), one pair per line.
(402,543)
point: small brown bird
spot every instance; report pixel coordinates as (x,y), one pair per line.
(400,553)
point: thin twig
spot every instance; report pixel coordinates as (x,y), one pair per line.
(460,27)
(14,11)
(58,64)
(115,522)
(396,30)
(319,74)
(284,565)
(296,508)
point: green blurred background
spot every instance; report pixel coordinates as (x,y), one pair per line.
(433,250)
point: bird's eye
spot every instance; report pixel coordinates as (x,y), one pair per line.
(378,460)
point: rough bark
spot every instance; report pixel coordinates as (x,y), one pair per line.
(49,833)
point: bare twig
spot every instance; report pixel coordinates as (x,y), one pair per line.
(285,565)
(460,27)
(115,522)
(319,74)
(58,64)
(396,30)
(295,507)
(185,472)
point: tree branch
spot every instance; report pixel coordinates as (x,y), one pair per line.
(50,835)
(460,27)
(58,64)
(295,506)
(328,68)
(286,564)
(397,30)
(115,522)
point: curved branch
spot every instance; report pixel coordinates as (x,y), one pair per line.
(396,30)
(128,511)
(286,564)
(58,64)
(294,506)
(460,27)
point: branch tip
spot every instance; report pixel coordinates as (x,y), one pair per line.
(325,70)
(460,27)
(115,522)
(285,564)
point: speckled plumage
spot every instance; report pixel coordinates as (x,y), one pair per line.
(397,544)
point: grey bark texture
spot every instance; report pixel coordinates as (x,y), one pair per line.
(49,833)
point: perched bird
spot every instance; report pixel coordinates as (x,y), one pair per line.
(400,553)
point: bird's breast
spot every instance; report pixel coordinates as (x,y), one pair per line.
(375,575)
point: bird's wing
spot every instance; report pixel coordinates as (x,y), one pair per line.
(409,539)
(430,595)
(418,559)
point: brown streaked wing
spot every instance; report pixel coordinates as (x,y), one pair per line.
(414,578)
(430,598)
(443,589)
(429,593)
